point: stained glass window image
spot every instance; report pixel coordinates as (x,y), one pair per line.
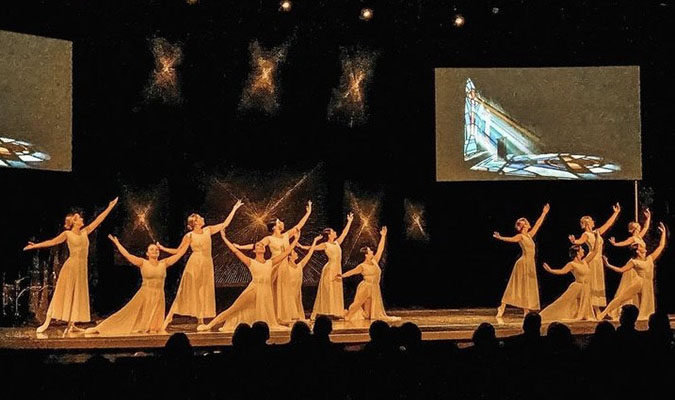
(496,142)
(16,153)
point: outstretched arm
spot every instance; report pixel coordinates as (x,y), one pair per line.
(241,256)
(280,257)
(562,271)
(343,235)
(380,246)
(185,242)
(177,255)
(296,229)
(582,239)
(97,221)
(309,254)
(662,242)
(622,243)
(219,227)
(511,239)
(265,241)
(351,272)
(605,227)
(47,243)
(648,215)
(137,261)
(629,265)
(540,220)
(591,255)
(318,247)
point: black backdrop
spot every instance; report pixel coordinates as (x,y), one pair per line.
(120,139)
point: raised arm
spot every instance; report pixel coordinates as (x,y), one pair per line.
(540,220)
(591,254)
(582,239)
(47,243)
(605,227)
(380,246)
(296,229)
(662,242)
(510,239)
(219,227)
(280,257)
(562,271)
(648,220)
(185,242)
(305,260)
(343,235)
(629,265)
(137,261)
(241,256)
(177,255)
(97,221)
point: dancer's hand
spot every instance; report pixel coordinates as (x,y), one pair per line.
(616,207)
(547,268)
(496,235)
(338,277)
(350,217)
(159,246)
(662,228)
(605,261)
(612,240)
(316,239)
(113,239)
(309,206)
(29,246)
(113,202)
(572,239)
(546,209)
(383,231)
(647,213)
(238,204)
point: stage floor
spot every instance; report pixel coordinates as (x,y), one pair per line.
(455,325)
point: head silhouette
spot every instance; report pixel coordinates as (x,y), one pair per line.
(300,333)
(241,338)
(629,315)
(323,326)
(260,333)
(532,324)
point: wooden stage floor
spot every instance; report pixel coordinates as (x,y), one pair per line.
(455,325)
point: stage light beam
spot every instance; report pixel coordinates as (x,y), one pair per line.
(458,21)
(366,14)
(285,6)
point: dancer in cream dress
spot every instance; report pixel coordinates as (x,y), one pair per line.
(522,291)
(196,295)
(144,313)
(597,278)
(70,301)
(643,284)
(575,303)
(329,297)
(256,302)
(368,302)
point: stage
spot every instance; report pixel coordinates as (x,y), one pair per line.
(457,325)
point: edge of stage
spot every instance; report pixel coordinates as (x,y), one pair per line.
(449,324)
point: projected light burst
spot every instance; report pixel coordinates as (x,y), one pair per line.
(366,216)
(348,102)
(261,89)
(164,84)
(414,221)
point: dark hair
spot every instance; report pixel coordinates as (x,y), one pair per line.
(271,224)
(325,232)
(572,252)
(323,326)
(532,323)
(364,249)
(634,248)
(629,315)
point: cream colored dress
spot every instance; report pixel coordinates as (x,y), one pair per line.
(287,284)
(627,280)
(645,273)
(144,313)
(256,302)
(369,296)
(329,297)
(70,301)
(196,295)
(597,276)
(575,303)
(523,290)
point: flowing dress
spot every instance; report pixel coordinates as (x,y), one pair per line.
(523,290)
(575,303)
(196,295)
(627,280)
(144,313)
(597,277)
(70,301)
(645,274)
(369,296)
(287,284)
(329,297)
(256,302)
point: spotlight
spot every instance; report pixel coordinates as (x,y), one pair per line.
(285,5)
(366,14)
(192,2)
(495,10)
(458,21)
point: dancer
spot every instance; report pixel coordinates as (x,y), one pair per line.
(637,237)
(575,303)
(643,285)
(196,295)
(70,301)
(144,313)
(368,299)
(255,303)
(522,290)
(597,277)
(329,297)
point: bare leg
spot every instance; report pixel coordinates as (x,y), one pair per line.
(238,304)
(200,321)
(525,311)
(618,301)
(500,310)
(45,325)
(362,295)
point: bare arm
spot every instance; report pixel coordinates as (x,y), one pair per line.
(591,255)
(241,256)
(380,246)
(351,272)
(582,239)
(629,265)
(296,229)
(309,254)
(605,227)
(318,247)
(662,242)
(562,271)
(137,261)
(265,241)
(648,215)
(97,221)
(186,241)
(540,220)
(622,243)
(343,235)
(512,239)
(177,256)
(279,258)
(47,243)
(219,227)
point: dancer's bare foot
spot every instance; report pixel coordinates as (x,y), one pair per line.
(500,310)
(200,321)
(203,328)
(500,320)
(42,327)
(76,329)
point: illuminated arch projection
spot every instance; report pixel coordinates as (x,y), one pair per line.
(496,142)
(16,153)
